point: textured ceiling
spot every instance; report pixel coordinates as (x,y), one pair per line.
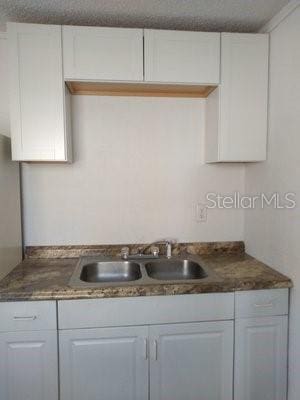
(209,15)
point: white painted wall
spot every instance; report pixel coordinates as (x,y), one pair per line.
(274,235)
(4,105)
(138,175)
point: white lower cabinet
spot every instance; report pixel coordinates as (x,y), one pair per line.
(147,348)
(104,363)
(191,361)
(261,358)
(28,365)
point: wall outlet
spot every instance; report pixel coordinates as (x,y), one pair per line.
(201,212)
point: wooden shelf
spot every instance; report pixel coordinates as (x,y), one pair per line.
(139,89)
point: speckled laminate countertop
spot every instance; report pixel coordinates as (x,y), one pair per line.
(48,279)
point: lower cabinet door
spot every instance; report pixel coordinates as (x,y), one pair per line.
(261,358)
(28,366)
(191,361)
(104,364)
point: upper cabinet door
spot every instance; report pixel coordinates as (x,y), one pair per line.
(37,93)
(237,111)
(92,53)
(182,57)
(244,99)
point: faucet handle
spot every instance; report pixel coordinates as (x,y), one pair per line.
(155,251)
(125,252)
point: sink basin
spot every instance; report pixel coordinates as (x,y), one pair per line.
(103,272)
(111,271)
(172,270)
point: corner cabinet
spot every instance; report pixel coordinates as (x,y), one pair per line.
(182,57)
(39,100)
(237,111)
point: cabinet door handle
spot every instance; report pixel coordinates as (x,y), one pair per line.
(154,350)
(29,318)
(263,305)
(145,348)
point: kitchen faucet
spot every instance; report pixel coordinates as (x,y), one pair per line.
(125,252)
(166,242)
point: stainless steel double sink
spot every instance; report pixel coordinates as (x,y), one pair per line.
(100,271)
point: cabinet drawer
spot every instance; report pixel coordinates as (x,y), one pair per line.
(261,303)
(152,310)
(28,316)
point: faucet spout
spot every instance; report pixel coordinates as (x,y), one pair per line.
(167,242)
(169,249)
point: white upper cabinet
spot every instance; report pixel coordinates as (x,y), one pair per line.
(236,119)
(39,128)
(96,60)
(182,57)
(112,54)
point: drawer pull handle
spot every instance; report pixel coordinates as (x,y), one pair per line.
(264,305)
(29,318)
